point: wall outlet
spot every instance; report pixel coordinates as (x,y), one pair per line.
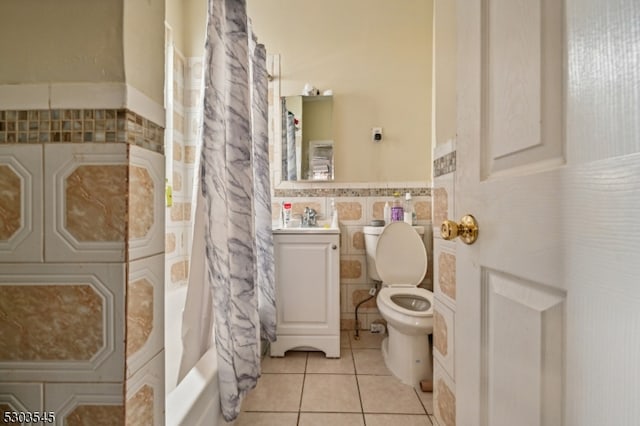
(377,328)
(376,134)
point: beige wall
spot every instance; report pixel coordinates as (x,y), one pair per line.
(144,47)
(174,17)
(84,41)
(61,41)
(195,15)
(376,57)
(188,19)
(444,66)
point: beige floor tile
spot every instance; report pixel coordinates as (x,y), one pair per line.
(318,363)
(370,361)
(331,393)
(275,392)
(344,339)
(333,419)
(427,400)
(397,419)
(433,420)
(266,419)
(292,362)
(367,340)
(386,394)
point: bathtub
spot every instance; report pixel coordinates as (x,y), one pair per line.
(196,399)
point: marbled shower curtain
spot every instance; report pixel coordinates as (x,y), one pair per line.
(237,205)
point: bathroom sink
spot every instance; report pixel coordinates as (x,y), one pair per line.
(307,230)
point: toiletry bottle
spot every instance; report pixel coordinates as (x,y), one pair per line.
(387,213)
(409,211)
(286,214)
(334,215)
(397,211)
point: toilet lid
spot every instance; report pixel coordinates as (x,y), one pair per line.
(401,257)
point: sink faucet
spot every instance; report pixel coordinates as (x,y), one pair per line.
(309,217)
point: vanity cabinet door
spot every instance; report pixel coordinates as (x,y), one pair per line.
(307,284)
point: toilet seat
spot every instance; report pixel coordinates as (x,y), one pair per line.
(401,257)
(386,293)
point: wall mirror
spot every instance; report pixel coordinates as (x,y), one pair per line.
(307,148)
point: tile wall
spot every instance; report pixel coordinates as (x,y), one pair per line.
(444,278)
(187,77)
(81,265)
(182,151)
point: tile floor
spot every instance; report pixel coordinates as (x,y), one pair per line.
(307,389)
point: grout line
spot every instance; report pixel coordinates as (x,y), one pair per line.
(353,359)
(304,379)
(424,407)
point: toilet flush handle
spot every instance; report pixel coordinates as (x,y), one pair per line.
(467,229)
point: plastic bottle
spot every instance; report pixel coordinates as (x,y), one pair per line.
(334,215)
(409,211)
(286,214)
(387,213)
(397,211)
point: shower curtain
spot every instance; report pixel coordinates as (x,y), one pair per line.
(232,273)
(289,158)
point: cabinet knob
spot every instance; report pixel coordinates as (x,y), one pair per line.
(333,246)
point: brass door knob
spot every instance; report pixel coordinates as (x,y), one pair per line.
(467,229)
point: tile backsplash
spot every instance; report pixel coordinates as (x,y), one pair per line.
(80,125)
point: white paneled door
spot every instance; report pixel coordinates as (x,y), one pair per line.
(548,304)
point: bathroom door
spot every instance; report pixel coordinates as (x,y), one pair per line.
(548,301)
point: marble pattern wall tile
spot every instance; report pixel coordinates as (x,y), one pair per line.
(21,209)
(179,272)
(351,240)
(95,203)
(95,414)
(351,211)
(145,312)
(11,206)
(59,313)
(61,322)
(353,269)
(145,394)
(100,404)
(446,274)
(85,202)
(444,337)
(357,293)
(20,397)
(422,207)
(444,398)
(146,203)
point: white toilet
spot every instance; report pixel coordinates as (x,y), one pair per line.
(396,255)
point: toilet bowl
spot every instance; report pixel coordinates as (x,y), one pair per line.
(396,255)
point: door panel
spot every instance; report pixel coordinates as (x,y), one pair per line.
(523,109)
(522,338)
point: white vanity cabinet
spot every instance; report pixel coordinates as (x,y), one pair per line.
(307,267)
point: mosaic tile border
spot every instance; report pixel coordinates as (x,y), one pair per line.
(350,192)
(80,126)
(445,164)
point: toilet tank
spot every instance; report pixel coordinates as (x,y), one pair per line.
(371,235)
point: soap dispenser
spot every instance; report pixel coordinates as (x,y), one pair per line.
(387,213)
(334,214)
